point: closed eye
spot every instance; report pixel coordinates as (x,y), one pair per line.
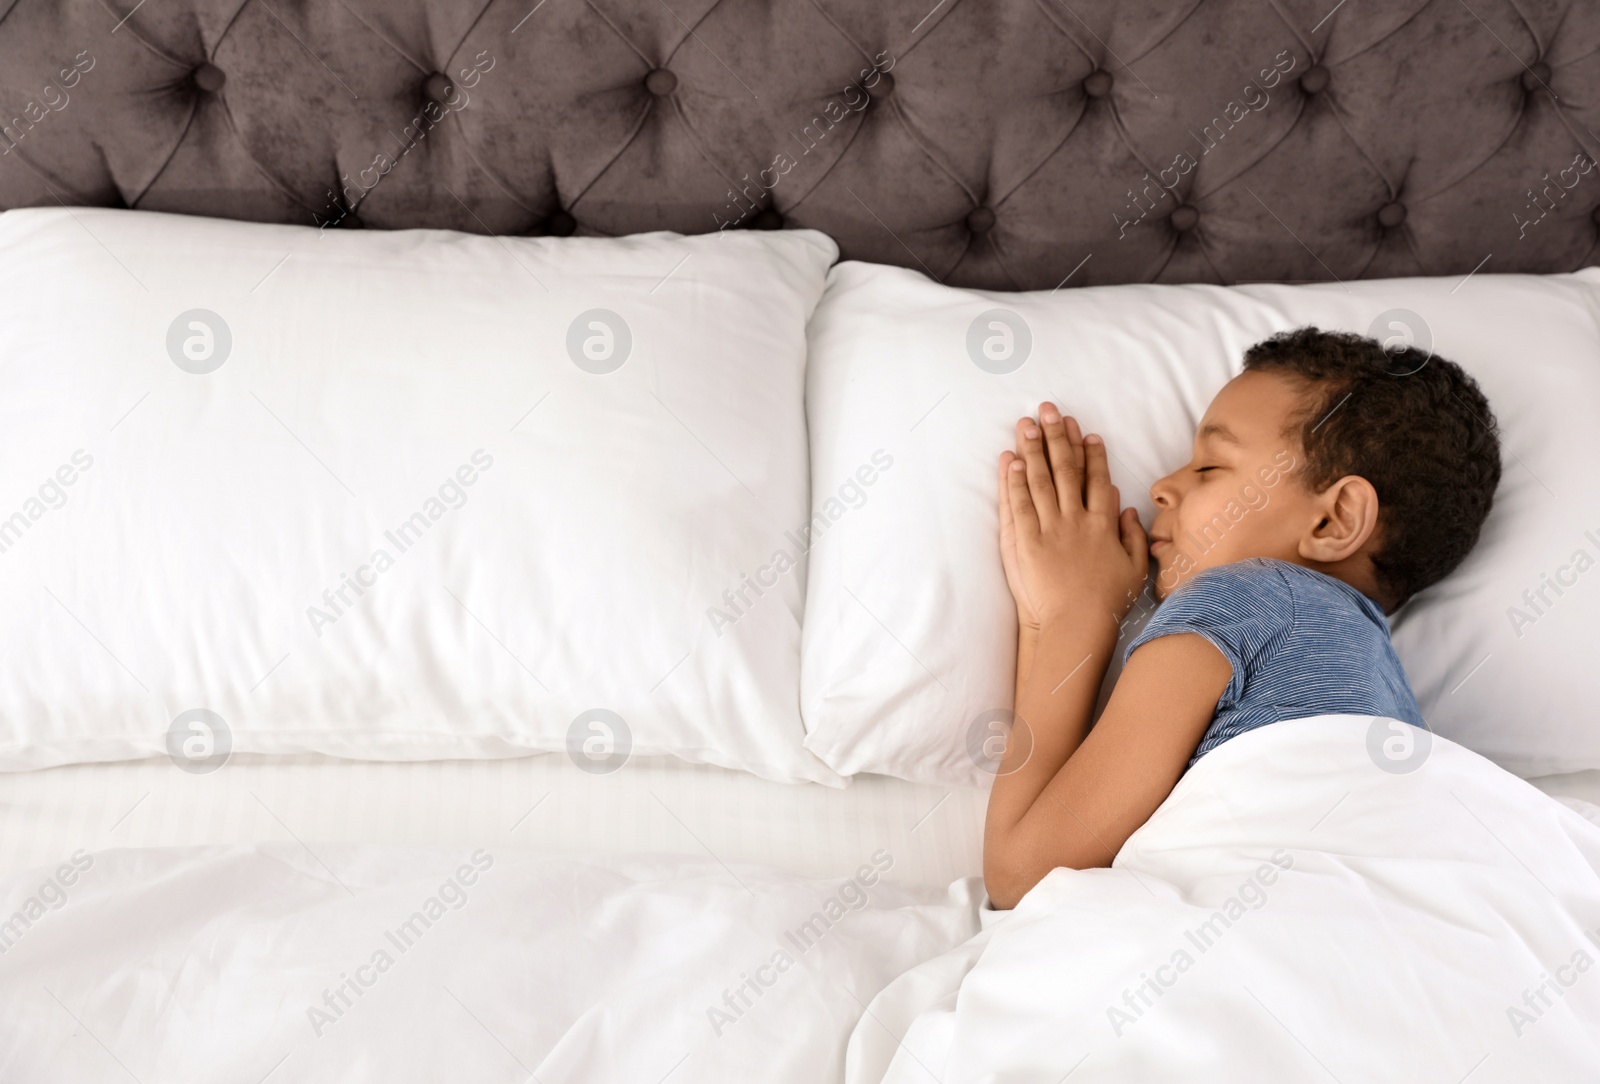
(1202,470)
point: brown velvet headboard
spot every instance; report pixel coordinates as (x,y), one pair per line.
(1010,144)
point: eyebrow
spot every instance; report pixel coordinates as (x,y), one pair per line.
(1220,431)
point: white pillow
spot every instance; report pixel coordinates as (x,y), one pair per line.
(909,642)
(389,495)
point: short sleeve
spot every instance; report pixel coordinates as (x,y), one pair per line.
(1242,608)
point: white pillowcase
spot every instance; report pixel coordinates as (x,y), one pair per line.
(909,642)
(389,495)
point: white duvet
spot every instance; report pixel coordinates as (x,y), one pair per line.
(1299,909)
(1335,899)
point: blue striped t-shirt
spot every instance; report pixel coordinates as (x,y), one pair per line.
(1300,644)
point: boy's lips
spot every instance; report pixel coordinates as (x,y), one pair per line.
(1156,543)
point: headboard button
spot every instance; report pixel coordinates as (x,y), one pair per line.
(1316,79)
(1536,76)
(1594,216)
(661,82)
(1097,84)
(436,87)
(980,219)
(883,87)
(1391,215)
(560,224)
(208,78)
(767,219)
(1185,218)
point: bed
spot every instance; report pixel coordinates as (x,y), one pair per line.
(751,849)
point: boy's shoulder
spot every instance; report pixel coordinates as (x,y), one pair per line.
(1248,570)
(1253,576)
(1267,579)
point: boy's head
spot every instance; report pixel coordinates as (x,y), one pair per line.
(1376,467)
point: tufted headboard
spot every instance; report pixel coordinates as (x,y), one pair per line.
(1010,144)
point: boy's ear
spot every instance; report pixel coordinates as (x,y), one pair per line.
(1348,517)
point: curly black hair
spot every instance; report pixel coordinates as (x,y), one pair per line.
(1414,425)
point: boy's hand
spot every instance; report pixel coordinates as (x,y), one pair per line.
(1066,550)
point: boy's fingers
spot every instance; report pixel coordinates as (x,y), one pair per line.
(1135,541)
(1064,465)
(1030,444)
(1075,440)
(1006,521)
(1097,489)
(1024,518)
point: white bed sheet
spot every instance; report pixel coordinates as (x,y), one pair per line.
(538,803)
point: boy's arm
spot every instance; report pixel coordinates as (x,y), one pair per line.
(1070,799)
(1070,556)
(1027,640)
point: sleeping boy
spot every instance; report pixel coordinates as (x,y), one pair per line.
(1386,464)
